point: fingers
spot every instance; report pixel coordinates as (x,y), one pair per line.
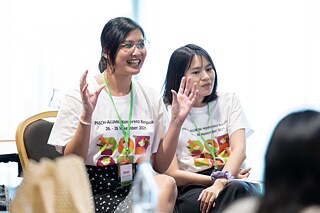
(83,85)
(200,196)
(101,87)
(211,204)
(182,85)
(207,204)
(207,201)
(194,93)
(174,96)
(83,91)
(244,171)
(83,79)
(187,87)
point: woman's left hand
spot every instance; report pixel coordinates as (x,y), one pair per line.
(208,196)
(243,173)
(183,100)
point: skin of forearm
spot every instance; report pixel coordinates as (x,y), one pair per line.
(79,143)
(236,158)
(167,148)
(233,164)
(238,152)
(184,177)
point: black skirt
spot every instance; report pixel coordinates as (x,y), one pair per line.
(188,195)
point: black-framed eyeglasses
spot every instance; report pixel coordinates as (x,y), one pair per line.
(128,45)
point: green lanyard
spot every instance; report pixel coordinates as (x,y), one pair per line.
(125,133)
(211,150)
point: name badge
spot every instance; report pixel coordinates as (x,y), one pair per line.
(125,174)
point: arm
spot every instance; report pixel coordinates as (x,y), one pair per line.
(208,196)
(181,105)
(238,152)
(236,158)
(185,177)
(79,143)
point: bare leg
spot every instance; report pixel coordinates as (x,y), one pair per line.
(167,191)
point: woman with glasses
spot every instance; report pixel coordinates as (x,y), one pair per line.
(114,122)
(212,143)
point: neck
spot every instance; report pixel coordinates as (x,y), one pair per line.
(199,103)
(118,85)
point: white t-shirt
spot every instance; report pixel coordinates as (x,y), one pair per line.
(148,125)
(227,116)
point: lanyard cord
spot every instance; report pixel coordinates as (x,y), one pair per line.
(211,150)
(124,132)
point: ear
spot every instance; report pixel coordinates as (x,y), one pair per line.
(105,53)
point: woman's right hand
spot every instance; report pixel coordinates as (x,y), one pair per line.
(89,100)
(183,100)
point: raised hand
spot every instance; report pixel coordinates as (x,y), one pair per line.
(89,100)
(183,100)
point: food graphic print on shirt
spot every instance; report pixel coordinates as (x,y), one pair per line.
(142,143)
(108,148)
(122,146)
(201,154)
(107,145)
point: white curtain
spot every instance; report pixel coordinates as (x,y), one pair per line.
(46,46)
(266,52)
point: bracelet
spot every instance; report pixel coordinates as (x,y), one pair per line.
(83,122)
(217,174)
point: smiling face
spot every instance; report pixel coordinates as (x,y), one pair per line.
(130,60)
(202,73)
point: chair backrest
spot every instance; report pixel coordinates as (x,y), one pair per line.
(32,135)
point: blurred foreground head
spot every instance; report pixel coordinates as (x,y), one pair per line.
(292,162)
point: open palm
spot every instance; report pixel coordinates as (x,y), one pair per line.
(89,100)
(183,100)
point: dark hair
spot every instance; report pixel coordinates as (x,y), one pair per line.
(292,160)
(179,63)
(113,33)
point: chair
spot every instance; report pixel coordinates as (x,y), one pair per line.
(10,157)
(32,135)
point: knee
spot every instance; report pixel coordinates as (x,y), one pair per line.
(167,186)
